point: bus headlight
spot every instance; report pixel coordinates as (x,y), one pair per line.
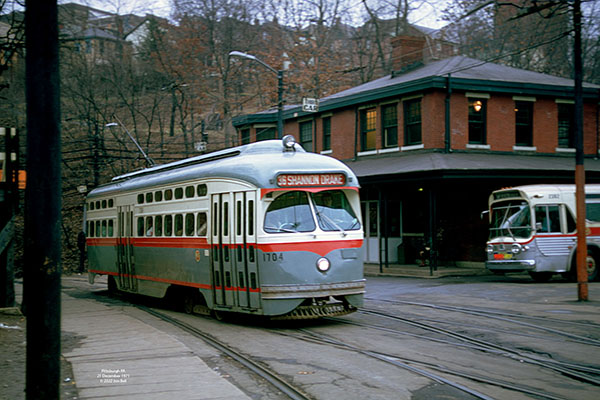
(489,249)
(323,264)
(516,248)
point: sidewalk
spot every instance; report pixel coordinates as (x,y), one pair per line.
(114,355)
(415,271)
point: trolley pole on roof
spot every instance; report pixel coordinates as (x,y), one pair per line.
(43,265)
(582,275)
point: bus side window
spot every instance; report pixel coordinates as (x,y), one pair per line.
(548,217)
(571,224)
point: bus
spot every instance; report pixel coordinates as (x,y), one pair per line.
(533,229)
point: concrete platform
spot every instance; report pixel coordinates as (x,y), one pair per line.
(120,357)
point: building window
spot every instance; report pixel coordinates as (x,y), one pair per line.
(245,136)
(477,113)
(412,122)
(327,133)
(368,126)
(266,134)
(566,133)
(390,125)
(524,123)
(306,135)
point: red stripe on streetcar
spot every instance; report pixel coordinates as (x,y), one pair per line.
(320,248)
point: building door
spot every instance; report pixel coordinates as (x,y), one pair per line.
(370,211)
(125,259)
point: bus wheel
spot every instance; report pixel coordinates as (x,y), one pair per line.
(541,276)
(592,265)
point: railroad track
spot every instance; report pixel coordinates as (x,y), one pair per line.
(268,375)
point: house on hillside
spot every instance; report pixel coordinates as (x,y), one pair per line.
(429,144)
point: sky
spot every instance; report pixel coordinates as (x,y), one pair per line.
(427,15)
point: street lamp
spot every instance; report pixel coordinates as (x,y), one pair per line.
(279,74)
(150,161)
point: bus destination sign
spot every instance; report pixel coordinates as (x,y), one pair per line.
(295,180)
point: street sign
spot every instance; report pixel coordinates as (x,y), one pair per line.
(310,104)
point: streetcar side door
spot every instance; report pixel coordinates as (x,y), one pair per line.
(125,258)
(221,243)
(246,271)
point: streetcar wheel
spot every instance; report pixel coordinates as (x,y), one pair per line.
(541,276)
(112,285)
(218,315)
(190,299)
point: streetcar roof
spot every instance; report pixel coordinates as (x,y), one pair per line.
(256,163)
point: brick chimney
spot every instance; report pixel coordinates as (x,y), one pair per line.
(407,52)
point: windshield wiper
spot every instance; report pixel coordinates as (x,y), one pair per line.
(329,221)
(280,229)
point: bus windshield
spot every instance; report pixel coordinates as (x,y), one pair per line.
(292,212)
(510,218)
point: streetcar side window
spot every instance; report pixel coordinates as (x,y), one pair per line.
(97,228)
(91,206)
(158,225)
(289,213)
(111,203)
(189,192)
(202,224)
(158,196)
(168,225)
(189,224)
(103,203)
(179,193)
(140,198)
(149,197)
(140,226)
(149,227)
(91,229)
(111,228)
(225,218)
(202,190)
(168,194)
(178,224)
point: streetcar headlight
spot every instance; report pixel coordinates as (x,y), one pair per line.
(323,264)
(516,248)
(489,249)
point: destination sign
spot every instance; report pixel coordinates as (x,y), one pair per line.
(288,180)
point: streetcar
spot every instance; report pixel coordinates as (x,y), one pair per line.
(264,229)
(533,229)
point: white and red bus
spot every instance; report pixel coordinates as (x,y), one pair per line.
(533,229)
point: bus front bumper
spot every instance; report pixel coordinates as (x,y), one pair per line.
(510,265)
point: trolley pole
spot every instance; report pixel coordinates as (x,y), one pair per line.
(582,275)
(42,271)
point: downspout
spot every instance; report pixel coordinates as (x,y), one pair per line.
(447,144)
(355,133)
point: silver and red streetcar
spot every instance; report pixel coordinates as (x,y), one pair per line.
(265,229)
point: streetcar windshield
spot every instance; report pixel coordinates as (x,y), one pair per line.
(289,212)
(292,212)
(334,212)
(510,218)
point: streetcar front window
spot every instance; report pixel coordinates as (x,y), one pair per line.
(334,212)
(289,213)
(510,218)
(293,212)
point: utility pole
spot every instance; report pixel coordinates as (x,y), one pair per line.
(43,265)
(582,275)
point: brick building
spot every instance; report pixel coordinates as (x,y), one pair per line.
(430,144)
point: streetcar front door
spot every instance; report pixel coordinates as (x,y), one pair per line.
(221,266)
(246,271)
(125,259)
